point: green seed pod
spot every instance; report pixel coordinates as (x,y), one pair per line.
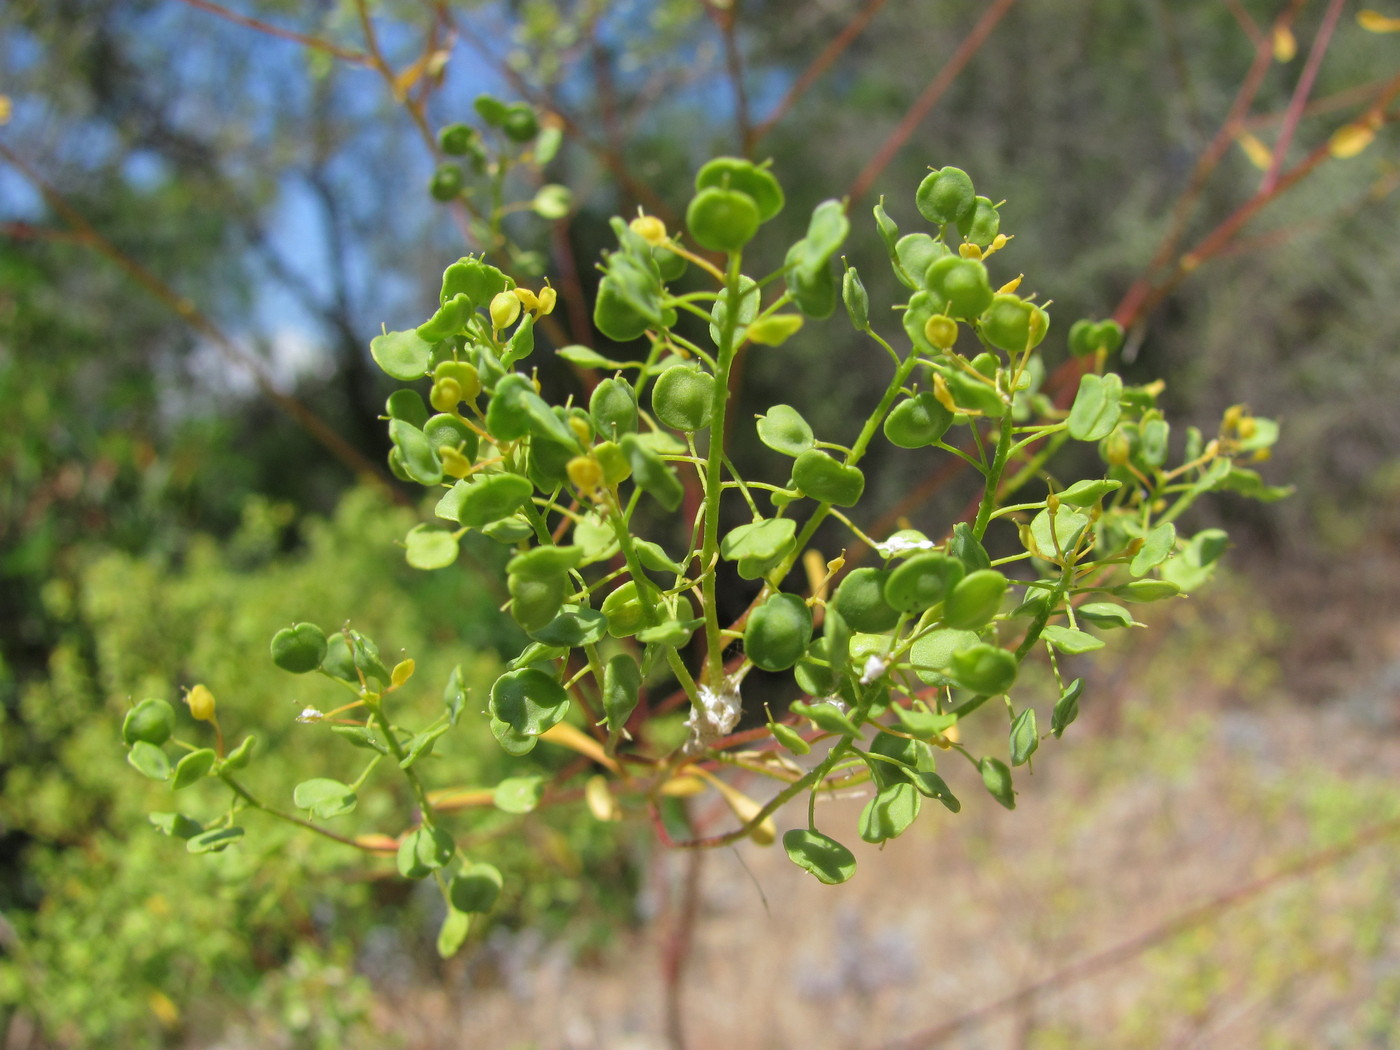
(450,318)
(983,669)
(610,458)
(448,431)
(299,648)
(520,123)
(856,298)
(614,316)
(447,182)
(962,284)
(922,581)
(651,473)
(623,610)
(819,476)
(671,265)
(492,498)
(419,458)
(1108,336)
(445,395)
(465,375)
(945,196)
(544,563)
(682,397)
(980,225)
(735,173)
(151,721)
(813,289)
(789,738)
(457,140)
(408,406)
(536,601)
(777,632)
(916,252)
(917,422)
(986,363)
(860,601)
(622,681)
(722,220)
(941,331)
(613,408)
(975,599)
(972,395)
(1013,324)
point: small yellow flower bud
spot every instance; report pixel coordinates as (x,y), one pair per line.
(1117,448)
(445,395)
(1247,428)
(547,298)
(1010,286)
(649,228)
(505,308)
(527,298)
(941,331)
(402,672)
(581,430)
(453,462)
(201,702)
(585,473)
(968,250)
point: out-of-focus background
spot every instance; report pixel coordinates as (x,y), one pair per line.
(208,209)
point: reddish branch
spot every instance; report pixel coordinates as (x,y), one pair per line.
(187,311)
(931,94)
(817,68)
(317,44)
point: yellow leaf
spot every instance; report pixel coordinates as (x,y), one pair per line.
(1285,44)
(600,799)
(201,702)
(1349,140)
(1259,154)
(682,787)
(402,672)
(410,75)
(167,1013)
(745,808)
(1375,22)
(566,735)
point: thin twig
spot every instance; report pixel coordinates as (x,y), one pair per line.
(817,67)
(926,101)
(187,311)
(1135,946)
(724,18)
(1294,112)
(315,43)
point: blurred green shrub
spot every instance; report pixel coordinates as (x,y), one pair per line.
(118,951)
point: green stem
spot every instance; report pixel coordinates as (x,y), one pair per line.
(994,473)
(248,797)
(714,473)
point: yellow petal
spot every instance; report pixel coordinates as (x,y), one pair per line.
(402,672)
(566,735)
(1349,140)
(600,799)
(1259,154)
(1375,22)
(1285,44)
(745,808)
(6,108)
